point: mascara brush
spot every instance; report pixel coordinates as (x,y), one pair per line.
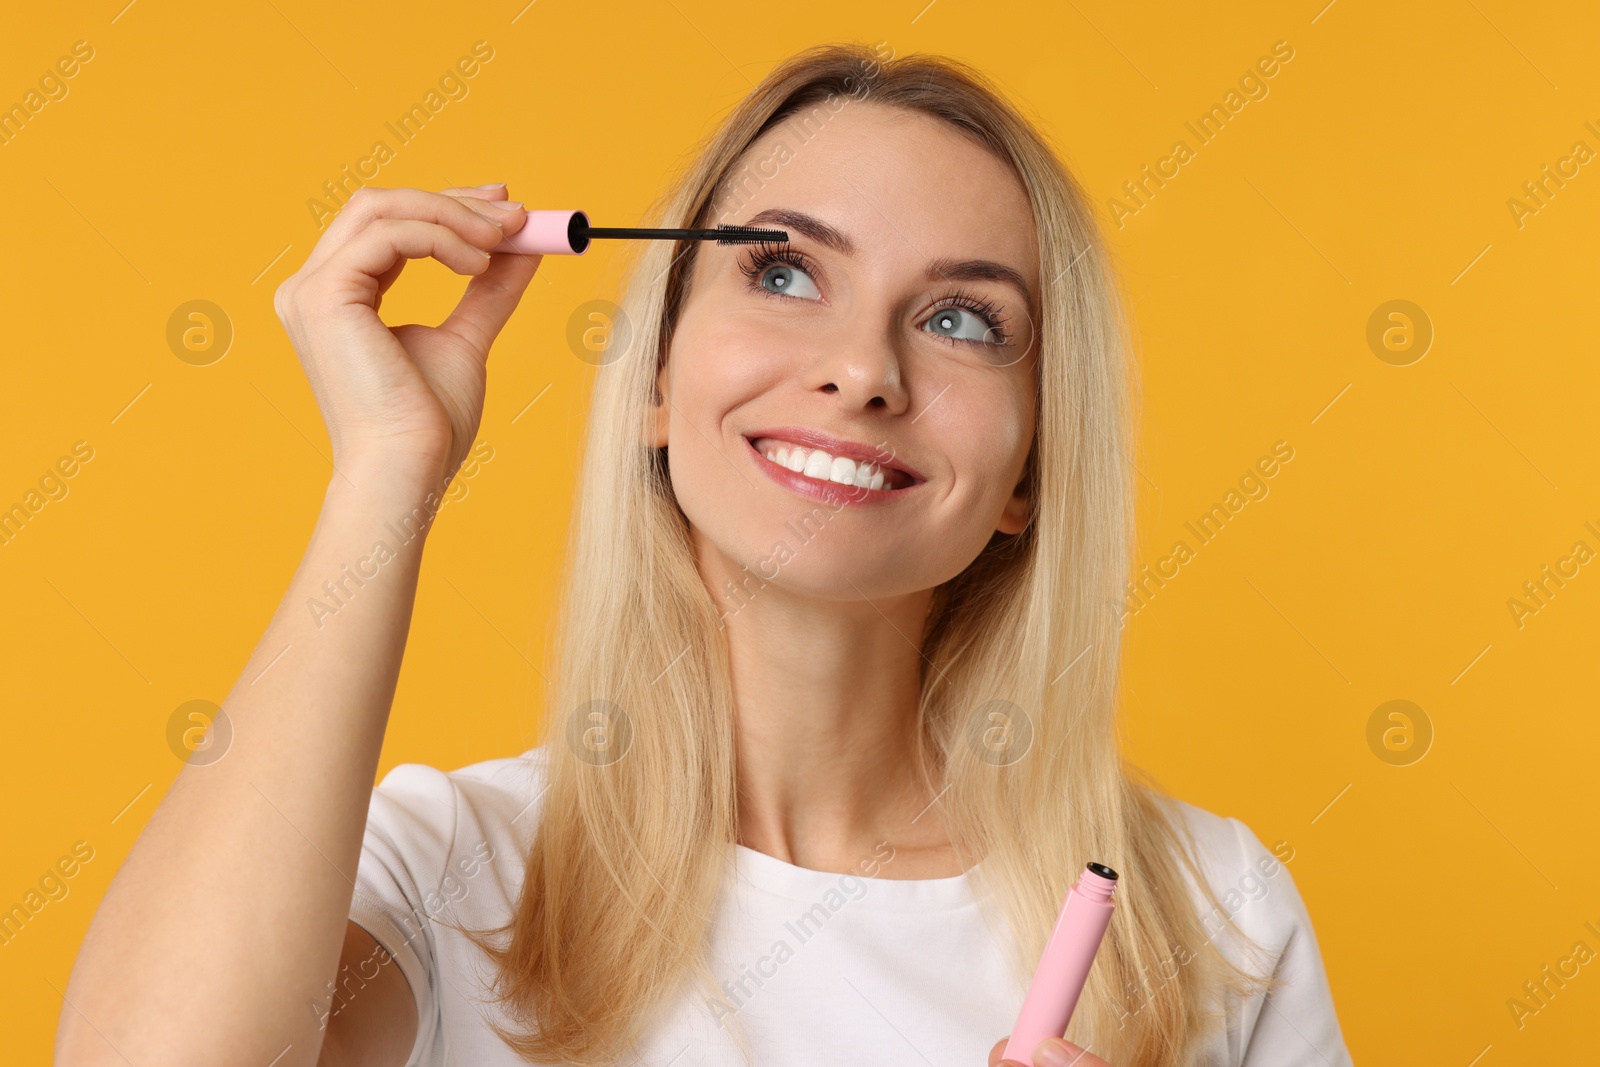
(568,233)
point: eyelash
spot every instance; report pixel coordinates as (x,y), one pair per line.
(765,254)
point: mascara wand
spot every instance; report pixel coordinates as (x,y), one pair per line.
(568,233)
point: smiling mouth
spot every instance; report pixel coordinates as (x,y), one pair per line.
(822,466)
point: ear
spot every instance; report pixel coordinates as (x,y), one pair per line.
(1018,511)
(660,409)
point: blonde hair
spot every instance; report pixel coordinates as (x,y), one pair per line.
(633,842)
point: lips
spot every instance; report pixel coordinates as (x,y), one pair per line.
(883,456)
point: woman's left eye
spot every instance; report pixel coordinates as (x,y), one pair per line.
(964,325)
(789,280)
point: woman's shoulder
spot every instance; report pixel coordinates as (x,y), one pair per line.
(1251,880)
(498,796)
(1296,1025)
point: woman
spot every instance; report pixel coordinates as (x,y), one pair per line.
(832,729)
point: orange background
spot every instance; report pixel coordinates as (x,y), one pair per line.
(1380,165)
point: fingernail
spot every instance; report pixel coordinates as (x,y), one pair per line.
(506,205)
(493,185)
(1056,1054)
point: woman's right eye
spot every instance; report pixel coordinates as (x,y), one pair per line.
(788,280)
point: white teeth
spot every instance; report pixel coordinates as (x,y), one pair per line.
(815,463)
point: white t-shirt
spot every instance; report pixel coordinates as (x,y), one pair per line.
(822,968)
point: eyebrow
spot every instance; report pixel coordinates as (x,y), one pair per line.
(942,269)
(809,226)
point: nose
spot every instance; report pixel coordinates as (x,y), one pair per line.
(865,370)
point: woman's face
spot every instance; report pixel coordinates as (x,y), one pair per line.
(906,351)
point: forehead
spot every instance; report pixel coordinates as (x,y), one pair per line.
(901,184)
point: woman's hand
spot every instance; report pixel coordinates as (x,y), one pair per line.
(407,397)
(1051,1052)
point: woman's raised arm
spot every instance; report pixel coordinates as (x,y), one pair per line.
(217,938)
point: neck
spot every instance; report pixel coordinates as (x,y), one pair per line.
(825,702)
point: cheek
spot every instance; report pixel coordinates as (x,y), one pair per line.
(720,348)
(987,431)
(723,360)
(716,366)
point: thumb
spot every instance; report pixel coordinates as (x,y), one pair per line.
(1059,1052)
(489,300)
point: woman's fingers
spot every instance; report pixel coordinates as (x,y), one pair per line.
(490,299)
(1051,1052)
(475,225)
(385,242)
(493,191)
(509,222)
(1058,1052)
(493,295)
(410,393)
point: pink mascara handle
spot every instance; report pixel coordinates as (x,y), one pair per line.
(549,233)
(1065,963)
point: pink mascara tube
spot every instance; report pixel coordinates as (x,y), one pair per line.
(568,233)
(1065,964)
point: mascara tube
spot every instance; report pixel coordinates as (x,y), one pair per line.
(561,233)
(568,233)
(1068,955)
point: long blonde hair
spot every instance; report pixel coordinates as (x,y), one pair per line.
(632,845)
